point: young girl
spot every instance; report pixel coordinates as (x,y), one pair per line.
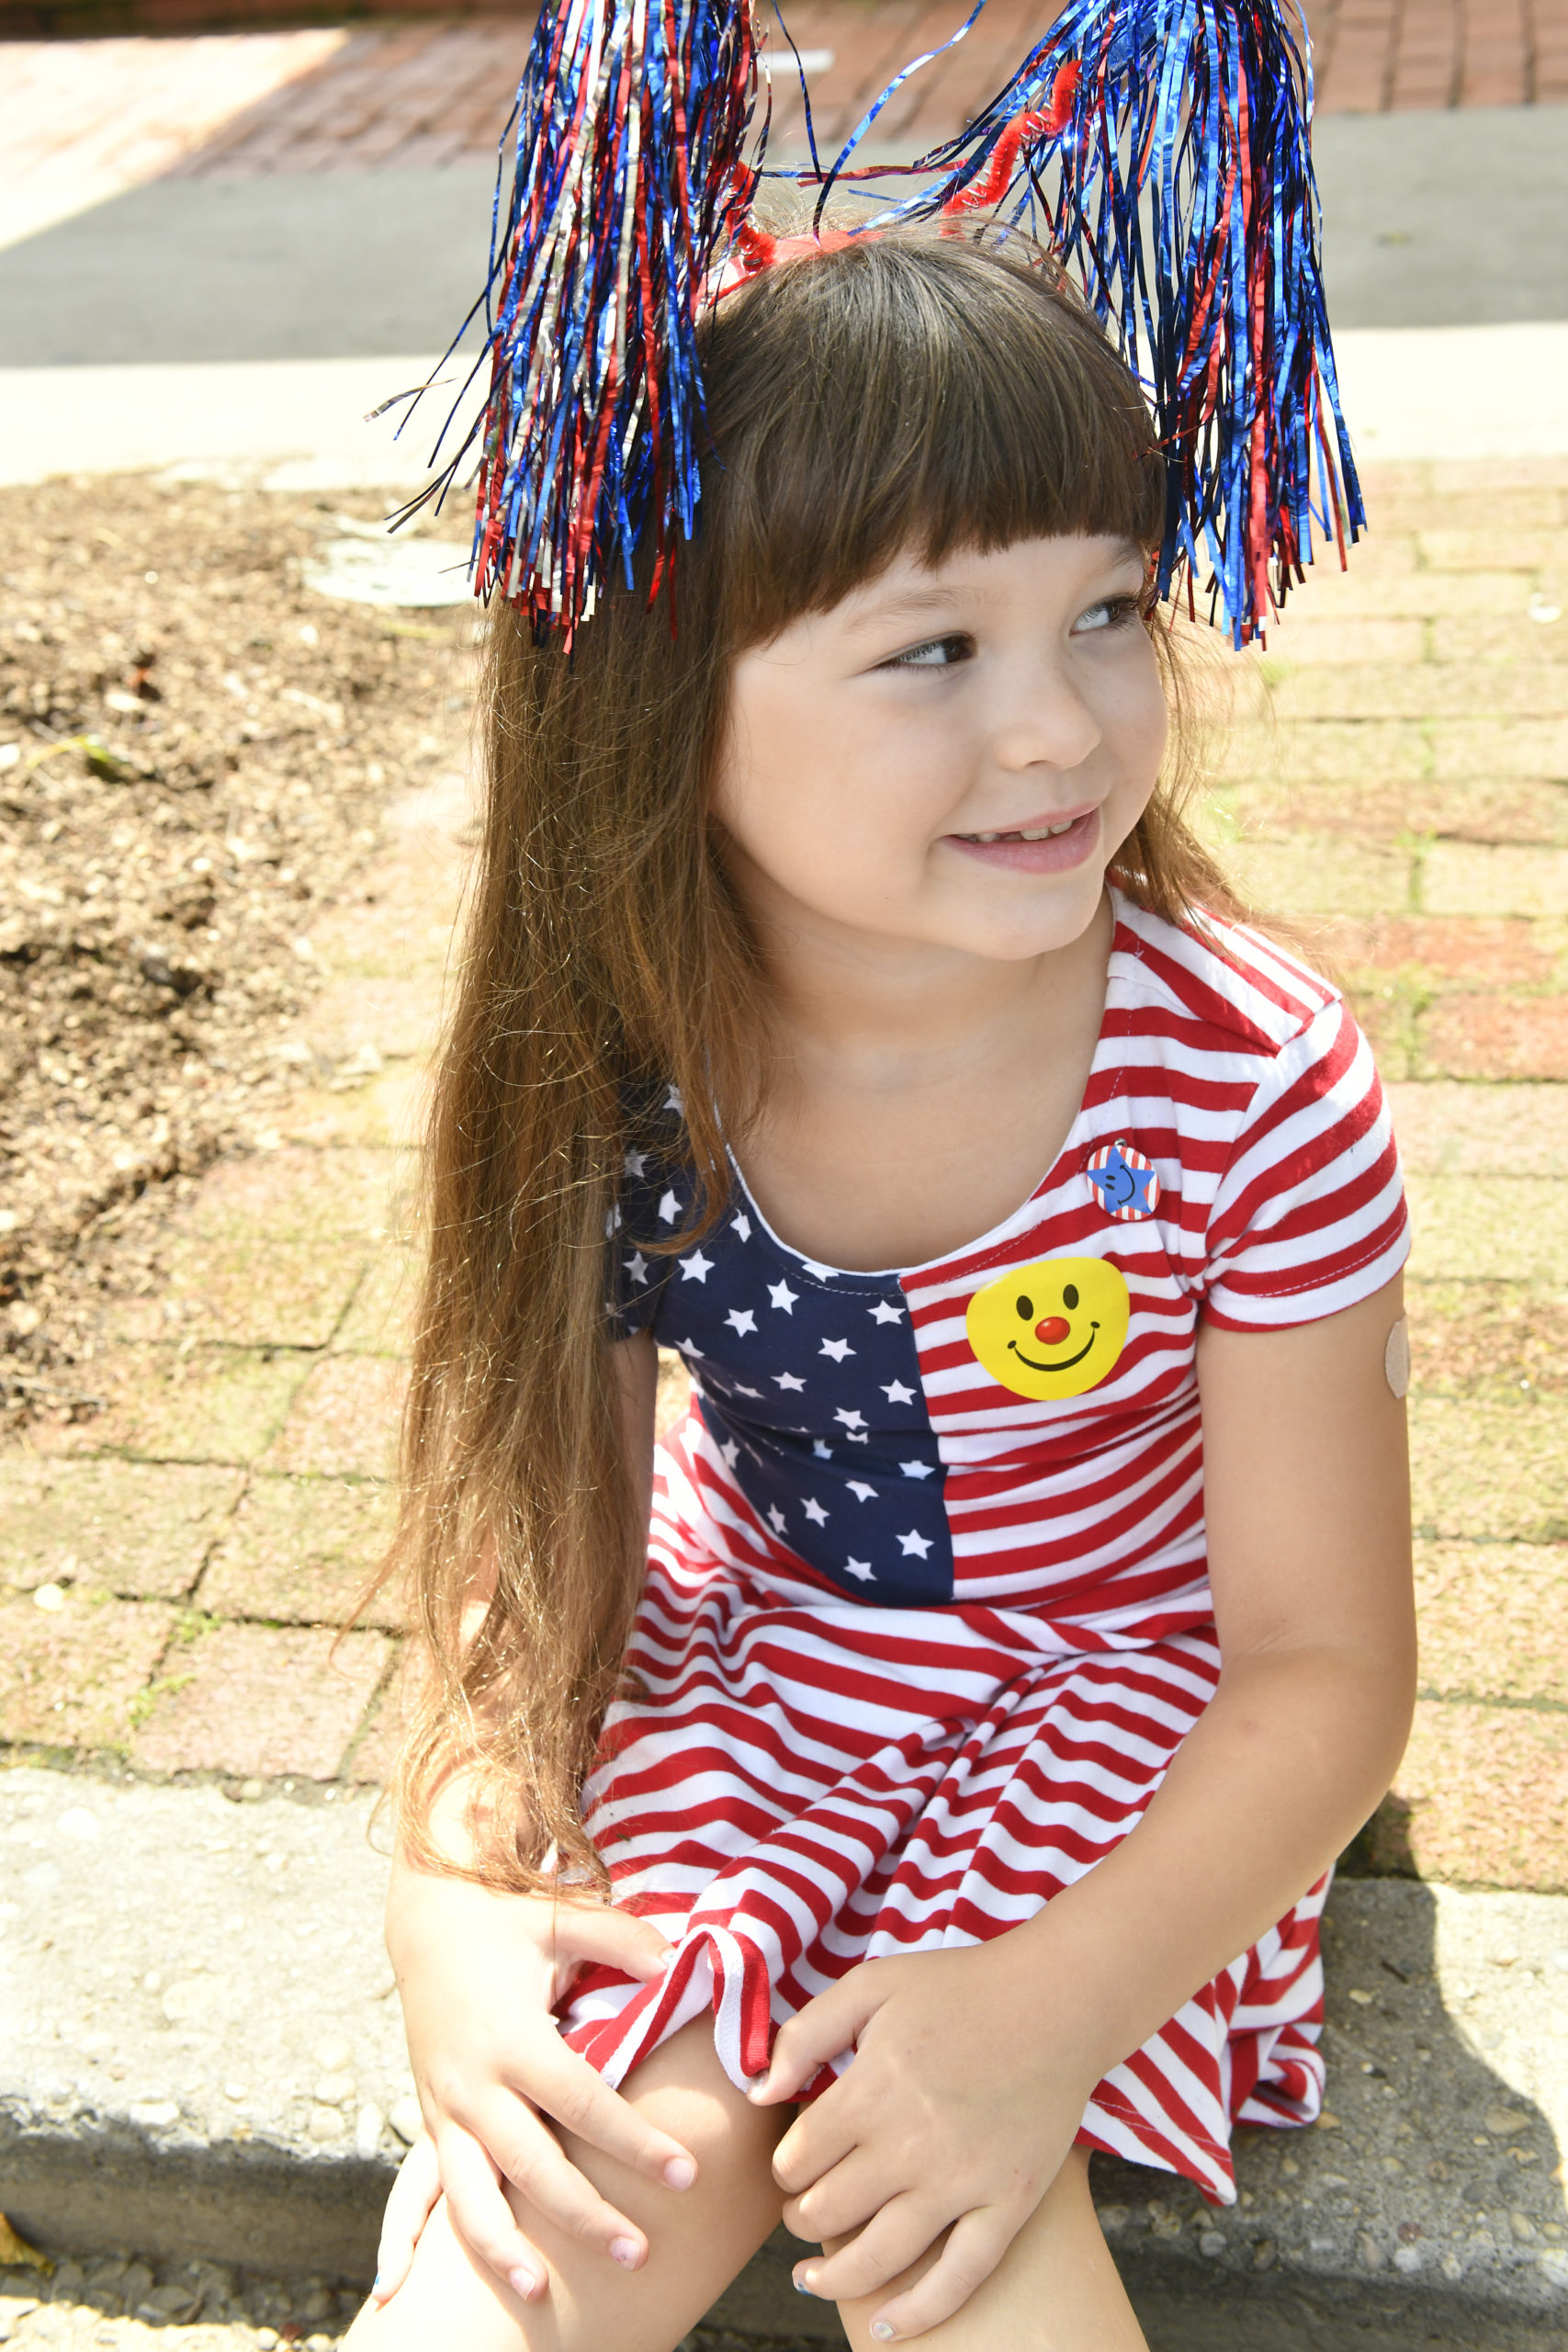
(924,1767)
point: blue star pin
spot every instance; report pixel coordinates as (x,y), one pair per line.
(1123,1187)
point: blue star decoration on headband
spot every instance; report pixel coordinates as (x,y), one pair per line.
(1122,1186)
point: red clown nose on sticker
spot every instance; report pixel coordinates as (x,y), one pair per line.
(1122,1181)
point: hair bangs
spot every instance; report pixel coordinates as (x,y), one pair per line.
(909,393)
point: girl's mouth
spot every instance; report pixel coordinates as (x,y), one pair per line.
(1052,846)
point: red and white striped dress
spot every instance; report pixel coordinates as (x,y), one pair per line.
(917,1647)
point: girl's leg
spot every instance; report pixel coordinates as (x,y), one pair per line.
(698,2241)
(1055,2290)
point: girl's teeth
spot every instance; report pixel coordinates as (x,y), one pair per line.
(1040,833)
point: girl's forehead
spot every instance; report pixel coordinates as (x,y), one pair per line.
(912,585)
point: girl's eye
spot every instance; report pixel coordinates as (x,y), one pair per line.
(1112,612)
(937,653)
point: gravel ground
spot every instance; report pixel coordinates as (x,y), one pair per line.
(194,750)
(127,2306)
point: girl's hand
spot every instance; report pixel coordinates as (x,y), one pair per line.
(478,1974)
(956,2115)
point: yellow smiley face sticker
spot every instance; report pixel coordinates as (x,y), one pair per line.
(1052,1328)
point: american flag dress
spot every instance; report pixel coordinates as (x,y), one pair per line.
(926,1615)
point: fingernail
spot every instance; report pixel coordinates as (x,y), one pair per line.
(680,2173)
(627,2252)
(884,2330)
(800,2284)
(522,2282)
(378,2292)
(757,2086)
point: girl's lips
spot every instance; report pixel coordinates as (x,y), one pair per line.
(1056,853)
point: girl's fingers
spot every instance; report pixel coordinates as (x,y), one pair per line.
(822,2136)
(533,2160)
(842,2199)
(609,1938)
(975,2246)
(825,2026)
(482,2217)
(578,2098)
(409,2206)
(906,2228)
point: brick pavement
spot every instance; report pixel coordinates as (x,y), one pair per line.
(80,120)
(174,1570)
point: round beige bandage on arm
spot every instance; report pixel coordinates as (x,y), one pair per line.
(1396,1357)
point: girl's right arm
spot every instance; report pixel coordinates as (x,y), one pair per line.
(479,1972)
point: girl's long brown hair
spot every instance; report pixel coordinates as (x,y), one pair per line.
(908,393)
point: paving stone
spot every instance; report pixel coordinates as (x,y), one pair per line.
(1509,809)
(1310,641)
(1490,1228)
(1367,752)
(1467,1337)
(377,1323)
(292,1196)
(1467,879)
(209,1404)
(1305,875)
(260,1701)
(299,1551)
(69,1677)
(1480,1798)
(395,1020)
(1496,1037)
(1394,590)
(1490,1467)
(1491,1618)
(1520,547)
(385,1112)
(133,1528)
(1425,690)
(1504,951)
(1446,1128)
(343,1420)
(1482,748)
(1483,636)
(248,1291)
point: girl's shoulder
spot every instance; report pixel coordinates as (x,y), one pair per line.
(1220,977)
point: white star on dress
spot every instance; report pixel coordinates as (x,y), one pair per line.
(637,1266)
(885,1313)
(729,1451)
(675,1101)
(696,1268)
(861,1492)
(775,1518)
(741,1320)
(635,1162)
(669,1209)
(684,1347)
(814,1511)
(823,1273)
(837,1348)
(861,1568)
(781,1295)
(787,1380)
(917,1469)
(823,1452)
(851,1416)
(741,1224)
(741,1390)
(897,1394)
(913,1543)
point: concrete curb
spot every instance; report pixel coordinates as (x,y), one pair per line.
(200,2054)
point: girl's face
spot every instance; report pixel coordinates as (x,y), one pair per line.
(952,755)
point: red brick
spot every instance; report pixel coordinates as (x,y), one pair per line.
(1495,1036)
(300,1551)
(1446,1128)
(344,1420)
(1472,1338)
(134,1528)
(260,1701)
(1481,1799)
(1505,954)
(68,1678)
(1491,1616)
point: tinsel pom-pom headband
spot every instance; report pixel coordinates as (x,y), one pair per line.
(1159,146)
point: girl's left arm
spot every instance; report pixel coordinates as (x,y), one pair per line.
(984,2058)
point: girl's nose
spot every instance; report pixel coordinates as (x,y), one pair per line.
(1054,1330)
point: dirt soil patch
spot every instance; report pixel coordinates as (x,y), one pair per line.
(195,750)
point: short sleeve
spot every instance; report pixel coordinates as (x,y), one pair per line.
(1309,1216)
(637,1277)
